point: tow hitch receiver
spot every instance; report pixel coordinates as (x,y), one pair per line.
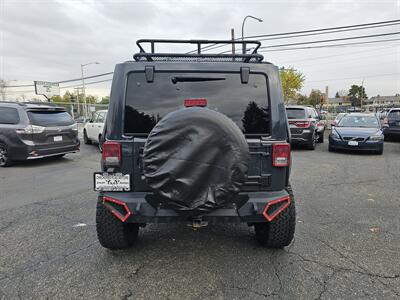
(198,223)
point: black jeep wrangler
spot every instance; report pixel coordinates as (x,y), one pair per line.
(195,138)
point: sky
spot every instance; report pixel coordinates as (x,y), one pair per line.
(49,40)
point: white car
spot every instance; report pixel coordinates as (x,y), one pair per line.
(93,130)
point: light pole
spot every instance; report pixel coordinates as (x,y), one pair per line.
(244,20)
(83,85)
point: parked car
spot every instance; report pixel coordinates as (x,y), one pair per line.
(305,125)
(32,131)
(337,118)
(391,124)
(197,139)
(359,132)
(93,130)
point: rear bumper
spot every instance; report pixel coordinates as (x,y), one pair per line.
(28,152)
(362,146)
(302,138)
(391,131)
(139,210)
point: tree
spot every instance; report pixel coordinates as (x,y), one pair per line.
(337,95)
(292,81)
(356,93)
(316,98)
(105,100)
(302,99)
(255,119)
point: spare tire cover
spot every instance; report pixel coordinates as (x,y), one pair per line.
(196,159)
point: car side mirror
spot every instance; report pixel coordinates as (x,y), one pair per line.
(333,124)
(90,121)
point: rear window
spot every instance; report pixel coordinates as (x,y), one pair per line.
(295,113)
(50,118)
(394,114)
(8,115)
(245,103)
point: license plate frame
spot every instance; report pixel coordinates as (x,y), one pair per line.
(58,138)
(352,143)
(111,182)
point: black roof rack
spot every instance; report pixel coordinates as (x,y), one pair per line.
(242,57)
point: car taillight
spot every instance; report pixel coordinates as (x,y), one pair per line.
(111,153)
(281,155)
(195,102)
(302,124)
(30,129)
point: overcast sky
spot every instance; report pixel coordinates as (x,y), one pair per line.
(48,40)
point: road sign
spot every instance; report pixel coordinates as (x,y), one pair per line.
(47,89)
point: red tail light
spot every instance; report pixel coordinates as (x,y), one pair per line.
(117,208)
(111,153)
(195,102)
(302,124)
(281,155)
(275,207)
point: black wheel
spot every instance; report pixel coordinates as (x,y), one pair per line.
(280,232)
(312,143)
(4,158)
(321,137)
(111,232)
(379,151)
(330,149)
(100,144)
(387,137)
(86,140)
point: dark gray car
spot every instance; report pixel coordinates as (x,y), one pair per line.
(195,138)
(32,131)
(391,124)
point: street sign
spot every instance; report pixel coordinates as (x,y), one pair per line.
(47,89)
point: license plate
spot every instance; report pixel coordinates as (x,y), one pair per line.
(112,182)
(58,138)
(352,143)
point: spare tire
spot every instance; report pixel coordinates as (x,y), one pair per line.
(196,160)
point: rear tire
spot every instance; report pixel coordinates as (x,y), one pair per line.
(312,143)
(111,232)
(280,232)
(100,144)
(321,137)
(86,140)
(5,161)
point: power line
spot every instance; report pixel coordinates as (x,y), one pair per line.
(214,46)
(333,45)
(87,77)
(93,82)
(362,76)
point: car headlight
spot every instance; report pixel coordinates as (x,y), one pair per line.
(74,127)
(376,137)
(335,135)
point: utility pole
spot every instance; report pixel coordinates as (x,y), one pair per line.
(77,100)
(362,94)
(233,39)
(83,85)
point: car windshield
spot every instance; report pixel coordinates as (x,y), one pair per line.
(245,103)
(394,115)
(295,113)
(359,121)
(50,118)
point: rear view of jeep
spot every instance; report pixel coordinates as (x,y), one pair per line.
(195,138)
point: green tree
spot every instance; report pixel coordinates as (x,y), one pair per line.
(356,93)
(337,95)
(91,99)
(56,98)
(105,100)
(302,99)
(292,81)
(316,98)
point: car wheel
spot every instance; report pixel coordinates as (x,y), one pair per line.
(279,232)
(86,140)
(111,232)
(387,137)
(321,137)
(100,144)
(330,149)
(379,151)
(4,158)
(312,143)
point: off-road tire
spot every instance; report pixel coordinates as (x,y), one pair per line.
(86,140)
(5,160)
(312,143)
(321,137)
(111,232)
(280,232)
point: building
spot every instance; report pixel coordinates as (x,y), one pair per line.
(383,101)
(337,104)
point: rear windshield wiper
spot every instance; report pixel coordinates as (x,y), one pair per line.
(177,79)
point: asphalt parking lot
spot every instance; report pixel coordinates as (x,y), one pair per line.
(347,242)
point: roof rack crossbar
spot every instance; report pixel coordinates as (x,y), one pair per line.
(246,57)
